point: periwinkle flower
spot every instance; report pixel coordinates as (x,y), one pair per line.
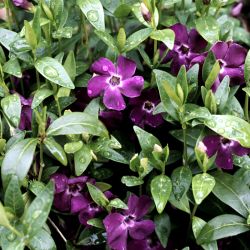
(66,188)
(24,4)
(184,49)
(114,82)
(224,147)
(26,80)
(88,209)
(231,58)
(118,225)
(143,113)
(235,12)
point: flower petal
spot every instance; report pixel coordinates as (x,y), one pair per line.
(125,67)
(62,201)
(237,149)
(177,63)
(110,119)
(181,34)
(151,95)
(236,56)
(27,102)
(236,10)
(131,87)
(61,182)
(138,245)
(170,55)
(104,67)
(212,142)
(195,41)
(79,181)
(224,158)
(132,203)
(97,85)
(220,49)
(139,230)
(117,232)
(78,203)
(236,75)
(85,215)
(113,99)
(137,115)
(153,120)
(215,85)
(26,116)
(81,102)
(142,207)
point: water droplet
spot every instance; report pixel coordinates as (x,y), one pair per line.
(107,154)
(92,15)
(220,120)
(11,236)
(105,68)
(221,130)
(211,123)
(108,1)
(50,71)
(228,124)
(82,159)
(138,132)
(15,120)
(36,213)
(89,92)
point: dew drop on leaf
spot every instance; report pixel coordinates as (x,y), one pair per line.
(50,71)
(11,237)
(92,15)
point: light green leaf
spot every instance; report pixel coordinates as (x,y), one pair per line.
(96,222)
(183,204)
(247,68)
(82,159)
(30,35)
(166,36)
(12,67)
(41,95)
(221,94)
(98,197)
(65,32)
(3,219)
(131,181)
(212,76)
(117,203)
(108,39)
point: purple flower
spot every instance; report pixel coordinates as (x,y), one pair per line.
(184,48)
(224,147)
(231,59)
(66,188)
(110,119)
(89,209)
(24,4)
(26,80)
(26,112)
(143,113)
(114,82)
(235,12)
(118,225)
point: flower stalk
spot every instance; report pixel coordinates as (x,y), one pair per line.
(6,2)
(191,220)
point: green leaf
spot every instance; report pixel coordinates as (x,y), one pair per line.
(82,159)
(12,67)
(102,173)
(135,163)
(92,236)
(17,245)
(65,32)
(36,187)
(30,35)
(77,123)
(182,15)
(202,185)
(113,155)
(241,161)
(56,150)
(17,161)
(181,179)
(3,219)
(70,66)
(38,211)
(104,186)
(247,90)
(136,38)
(108,39)
(72,147)
(243,174)
(13,197)
(131,181)
(47,172)
(122,11)
(166,36)
(162,227)
(64,102)
(232,191)
(70,246)
(36,24)
(161,187)
(41,95)
(197,225)
(117,203)
(2,56)
(247,68)
(145,56)
(212,76)
(93,107)
(231,127)
(182,81)
(93,10)
(81,67)
(222,226)
(14,140)
(183,204)
(208,28)
(11,106)
(96,222)
(221,94)
(42,240)
(7,37)
(168,2)
(98,197)
(200,113)
(104,143)
(192,80)
(54,71)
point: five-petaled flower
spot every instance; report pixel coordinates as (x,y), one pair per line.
(118,225)
(224,147)
(24,4)
(114,82)
(184,49)
(143,113)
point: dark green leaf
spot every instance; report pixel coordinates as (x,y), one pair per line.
(47,172)
(36,24)
(183,204)
(108,39)
(182,15)
(221,94)
(82,159)
(14,140)
(40,95)
(247,68)
(42,240)
(200,113)
(93,107)
(122,11)
(70,66)
(241,161)
(113,155)
(145,56)
(102,173)
(208,65)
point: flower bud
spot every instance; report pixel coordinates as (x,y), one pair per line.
(85,136)
(229,42)
(180,92)
(145,13)
(121,39)
(12,131)
(202,147)
(157,148)
(47,11)
(24,4)
(206,2)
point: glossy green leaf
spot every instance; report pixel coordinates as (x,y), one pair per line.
(14,140)
(202,185)
(108,39)
(247,90)
(40,95)
(162,227)
(131,181)
(11,106)
(17,245)
(122,11)
(36,187)
(117,203)
(104,186)
(212,76)
(98,197)
(72,147)
(54,71)
(208,28)
(77,123)
(36,24)
(222,226)
(17,161)
(13,197)
(3,219)
(12,67)
(183,204)
(200,113)
(42,240)
(102,173)
(192,80)
(182,81)
(96,222)
(93,10)
(181,179)
(2,56)
(56,150)
(30,35)
(82,159)
(247,68)
(70,65)
(166,36)
(64,102)
(136,38)
(244,175)
(161,187)
(135,163)
(113,155)
(145,56)
(93,107)
(90,236)
(230,127)
(65,32)
(182,15)
(241,161)
(232,191)
(47,172)
(102,143)
(7,37)
(221,94)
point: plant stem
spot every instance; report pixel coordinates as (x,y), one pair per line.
(152,73)
(58,106)
(41,162)
(6,2)
(86,39)
(78,232)
(184,128)
(15,16)
(216,12)
(57,229)
(203,10)
(140,190)
(22,87)
(159,9)
(37,74)
(191,220)
(246,107)
(110,24)
(12,83)
(183,4)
